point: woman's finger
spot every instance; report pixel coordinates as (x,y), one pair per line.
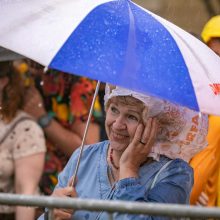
(60,214)
(203,199)
(153,132)
(204,196)
(67,191)
(198,204)
(73,192)
(71,182)
(138,134)
(149,134)
(147,131)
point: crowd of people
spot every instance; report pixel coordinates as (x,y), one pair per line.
(137,147)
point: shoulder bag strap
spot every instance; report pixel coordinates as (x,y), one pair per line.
(159,172)
(13,127)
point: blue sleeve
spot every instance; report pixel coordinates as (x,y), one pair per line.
(173,185)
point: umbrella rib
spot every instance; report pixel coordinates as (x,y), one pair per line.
(195,56)
(85,133)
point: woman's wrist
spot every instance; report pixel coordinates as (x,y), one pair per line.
(45,120)
(127,173)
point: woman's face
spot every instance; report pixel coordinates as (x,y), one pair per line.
(121,123)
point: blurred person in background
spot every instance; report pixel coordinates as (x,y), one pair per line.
(60,103)
(22,143)
(206,163)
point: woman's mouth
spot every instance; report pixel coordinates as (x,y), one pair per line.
(118,136)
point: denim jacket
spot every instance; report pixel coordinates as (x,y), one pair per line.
(172,185)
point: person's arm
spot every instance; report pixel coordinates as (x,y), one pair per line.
(173,185)
(29,155)
(66,140)
(28,171)
(93,135)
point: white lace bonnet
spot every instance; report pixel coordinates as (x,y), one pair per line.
(182,131)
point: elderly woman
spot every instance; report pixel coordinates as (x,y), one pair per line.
(22,144)
(145,158)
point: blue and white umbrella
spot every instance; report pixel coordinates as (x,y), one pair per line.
(115,41)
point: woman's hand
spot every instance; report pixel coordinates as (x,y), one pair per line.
(137,151)
(202,200)
(64,214)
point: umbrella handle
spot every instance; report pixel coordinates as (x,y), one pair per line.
(85,134)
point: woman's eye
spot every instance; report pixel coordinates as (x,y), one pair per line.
(114,110)
(132,117)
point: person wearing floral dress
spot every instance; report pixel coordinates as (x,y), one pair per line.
(60,103)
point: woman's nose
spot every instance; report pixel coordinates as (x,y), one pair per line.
(119,123)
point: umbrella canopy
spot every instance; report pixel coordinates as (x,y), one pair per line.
(8,55)
(118,42)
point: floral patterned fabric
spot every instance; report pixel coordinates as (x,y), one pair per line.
(66,98)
